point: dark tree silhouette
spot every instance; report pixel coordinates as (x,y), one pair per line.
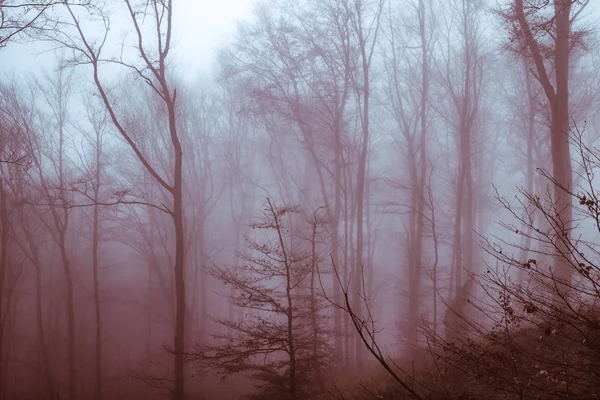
(279,341)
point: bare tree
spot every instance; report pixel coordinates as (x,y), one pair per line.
(151,66)
(199,117)
(94,170)
(365,18)
(239,148)
(543,36)
(11,173)
(57,97)
(274,341)
(18,16)
(462,75)
(408,102)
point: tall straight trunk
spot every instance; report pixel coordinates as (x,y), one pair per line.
(345,318)
(237,242)
(466,103)
(529,172)
(369,246)
(201,251)
(558,99)
(179,268)
(349,269)
(360,198)
(335,110)
(313,307)
(39,314)
(335,242)
(194,324)
(415,243)
(95,266)
(469,203)
(360,187)
(435,260)
(62,236)
(153,270)
(418,179)
(149,295)
(57,97)
(341,99)
(61,222)
(561,157)
(153,69)
(4,239)
(463,220)
(423,142)
(466,138)
(457,257)
(30,248)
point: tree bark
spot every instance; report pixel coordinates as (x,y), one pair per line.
(95,270)
(558,99)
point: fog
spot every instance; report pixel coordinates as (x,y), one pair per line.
(313,199)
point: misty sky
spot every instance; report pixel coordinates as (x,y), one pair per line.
(201,27)
(182,217)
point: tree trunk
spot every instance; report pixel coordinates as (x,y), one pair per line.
(530,171)
(179,268)
(61,221)
(4,238)
(313,307)
(561,157)
(558,99)
(360,191)
(95,269)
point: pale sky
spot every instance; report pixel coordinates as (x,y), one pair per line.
(200,27)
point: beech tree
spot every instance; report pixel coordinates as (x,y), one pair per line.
(240,165)
(365,18)
(528,140)
(326,29)
(12,171)
(408,71)
(462,75)
(150,64)
(94,171)
(57,98)
(544,33)
(200,127)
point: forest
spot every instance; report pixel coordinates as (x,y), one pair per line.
(363,199)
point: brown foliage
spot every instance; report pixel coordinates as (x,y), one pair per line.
(537,337)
